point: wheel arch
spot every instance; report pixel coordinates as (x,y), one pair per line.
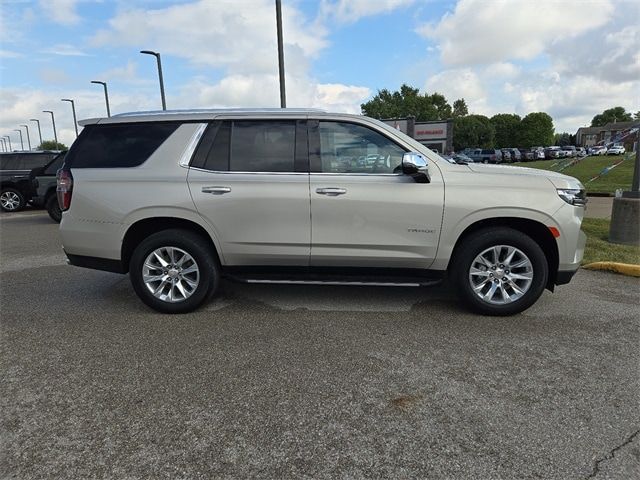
(142,228)
(535,229)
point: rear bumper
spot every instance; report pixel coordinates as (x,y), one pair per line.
(96,263)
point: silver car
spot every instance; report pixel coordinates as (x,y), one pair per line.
(180,200)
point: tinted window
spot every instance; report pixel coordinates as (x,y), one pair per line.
(350,148)
(25,161)
(213,151)
(263,146)
(54,166)
(118,145)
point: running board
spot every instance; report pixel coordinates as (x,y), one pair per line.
(345,282)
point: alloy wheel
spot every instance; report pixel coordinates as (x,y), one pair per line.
(170,274)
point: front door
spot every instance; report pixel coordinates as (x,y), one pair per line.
(364,211)
(250,182)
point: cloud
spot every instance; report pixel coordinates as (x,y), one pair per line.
(9,54)
(65,50)
(54,75)
(350,11)
(61,11)
(480,32)
(237,36)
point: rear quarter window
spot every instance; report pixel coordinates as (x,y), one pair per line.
(118,145)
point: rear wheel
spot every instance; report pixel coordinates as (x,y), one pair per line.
(53,208)
(11,200)
(174,271)
(500,271)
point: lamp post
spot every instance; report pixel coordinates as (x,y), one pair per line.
(53,121)
(283,98)
(106,94)
(159,62)
(73,109)
(21,142)
(39,131)
(9,140)
(4,145)
(28,136)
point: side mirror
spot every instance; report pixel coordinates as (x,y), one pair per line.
(416,165)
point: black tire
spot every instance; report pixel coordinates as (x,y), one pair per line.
(485,161)
(198,248)
(478,242)
(53,208)
(11,200)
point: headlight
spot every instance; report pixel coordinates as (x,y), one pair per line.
(573,196)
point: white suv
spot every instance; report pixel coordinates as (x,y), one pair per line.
(181,199)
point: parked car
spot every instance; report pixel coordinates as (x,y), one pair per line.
(598,150)
(461,158)
(527,155)
(516,156)
(552,152)
(581,151)
(570,151)
(506,155)
(616,150)
(15,186)
(491,155)
(181,199)
(43,181)
(539,153)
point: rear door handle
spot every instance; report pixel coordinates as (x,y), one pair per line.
(331,191)
(216,190)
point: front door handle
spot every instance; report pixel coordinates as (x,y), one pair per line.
(216,190)
(331,191)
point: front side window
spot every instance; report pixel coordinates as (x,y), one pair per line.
(351,148)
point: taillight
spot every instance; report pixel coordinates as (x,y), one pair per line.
(64,188)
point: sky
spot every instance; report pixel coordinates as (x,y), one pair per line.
(569,58)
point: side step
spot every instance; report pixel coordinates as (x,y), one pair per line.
(312,278)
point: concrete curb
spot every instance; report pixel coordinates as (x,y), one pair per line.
(623,268)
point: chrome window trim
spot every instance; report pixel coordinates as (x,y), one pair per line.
(185,159)
(227,172)
(346,174)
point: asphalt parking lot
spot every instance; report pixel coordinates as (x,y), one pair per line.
(308,382)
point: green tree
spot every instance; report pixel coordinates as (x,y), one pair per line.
(537,130)
(636,116)
(408,101)
(562,139)
(52,145)
(460,108)
(507,126)
(472,131)
(615,114)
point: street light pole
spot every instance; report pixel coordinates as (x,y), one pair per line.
(73,109)
(39,131)
(21,142)
(28,136)
(283,98)
(159,62)
(4,145)
(9,140)
(106,94)
(53,121)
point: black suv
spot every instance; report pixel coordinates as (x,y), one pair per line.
(15,186)
(43,181)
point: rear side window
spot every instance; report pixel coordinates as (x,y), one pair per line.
(118,145)
(25,161)
(248,146)
(263,146)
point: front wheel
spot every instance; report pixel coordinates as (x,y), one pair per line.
(11,200)
(499,271)
(174,271)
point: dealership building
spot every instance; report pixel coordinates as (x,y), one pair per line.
(589,136)
(438,135)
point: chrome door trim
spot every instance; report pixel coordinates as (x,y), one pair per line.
(185,159)
(228,172)
(347,174)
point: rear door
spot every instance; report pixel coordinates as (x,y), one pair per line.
(249,179)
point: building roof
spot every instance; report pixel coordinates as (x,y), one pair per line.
(608,127)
